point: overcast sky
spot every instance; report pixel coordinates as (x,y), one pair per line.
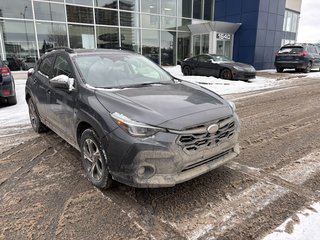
(309,27)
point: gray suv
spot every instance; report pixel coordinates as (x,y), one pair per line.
(301,57)
(131,120)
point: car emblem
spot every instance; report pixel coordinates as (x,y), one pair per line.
(213,128)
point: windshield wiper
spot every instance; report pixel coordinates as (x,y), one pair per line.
(144,84)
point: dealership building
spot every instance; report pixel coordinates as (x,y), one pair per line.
(166,31)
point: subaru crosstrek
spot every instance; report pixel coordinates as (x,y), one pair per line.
(131,120)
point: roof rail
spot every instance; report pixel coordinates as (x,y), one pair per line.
(67,49)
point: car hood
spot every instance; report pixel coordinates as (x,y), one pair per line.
(174,106)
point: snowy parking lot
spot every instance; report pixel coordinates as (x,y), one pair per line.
(271,191)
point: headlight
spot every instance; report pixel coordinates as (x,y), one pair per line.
(232,105)
(238,68)
(134,128)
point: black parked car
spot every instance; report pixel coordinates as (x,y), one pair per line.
(301,57)
(218,66)
(7,85)
(131,120)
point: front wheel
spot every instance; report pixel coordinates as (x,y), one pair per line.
(93,160)
(36,123)
(226,74)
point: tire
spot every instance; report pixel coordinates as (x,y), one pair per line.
(93,160)
(226,74)
(12,100)
(36,123)
(308,68)
(279,70)
(187,71)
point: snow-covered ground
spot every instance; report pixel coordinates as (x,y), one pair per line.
(222,86)
(308,224)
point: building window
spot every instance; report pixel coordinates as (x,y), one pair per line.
(130,39)
(16,9)
(106,17)
(51,35)
(184,8)
(129,5)
(183,48)
(49,11)
(168,7)
(197,9)
(150,6)
(291,21)
(208,10)
(129,19)
(79,14)
(168,46)
(81,36)
(107,37)
(168,23)
(150,21)
(80,2)
(150,44)
(106,3)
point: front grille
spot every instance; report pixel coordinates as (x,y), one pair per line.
(192,143)
(197,164)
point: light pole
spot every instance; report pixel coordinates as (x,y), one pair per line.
(25,26)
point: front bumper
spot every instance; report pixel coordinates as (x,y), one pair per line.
(244,75)
(159,161)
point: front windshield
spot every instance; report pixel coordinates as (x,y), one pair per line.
(119,70)
(220,58)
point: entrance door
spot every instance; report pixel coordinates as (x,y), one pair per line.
(224,48)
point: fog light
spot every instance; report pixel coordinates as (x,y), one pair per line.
(141,171)
(146,171)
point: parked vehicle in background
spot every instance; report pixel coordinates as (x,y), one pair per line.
(218,66)
(130,119)
(298,56)
(7,85)
(29,62)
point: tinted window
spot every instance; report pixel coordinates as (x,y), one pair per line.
(106,3)
(62,67)
(46,66)
(285,50)
(79,14)
(106,17)
(204,58)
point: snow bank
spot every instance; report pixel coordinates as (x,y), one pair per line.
(304,225)
(222,86)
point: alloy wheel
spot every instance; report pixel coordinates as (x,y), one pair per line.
(93,159)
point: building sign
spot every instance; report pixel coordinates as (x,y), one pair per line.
(223,36)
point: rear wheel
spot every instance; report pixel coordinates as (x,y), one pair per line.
(36,123)
(226,74)
(12,100)
(308,68)
(93,160)
(279,70)
(187,71)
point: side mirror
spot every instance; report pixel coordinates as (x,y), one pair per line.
(30,72)
(62,82)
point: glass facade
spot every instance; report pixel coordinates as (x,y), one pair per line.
(156,28)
